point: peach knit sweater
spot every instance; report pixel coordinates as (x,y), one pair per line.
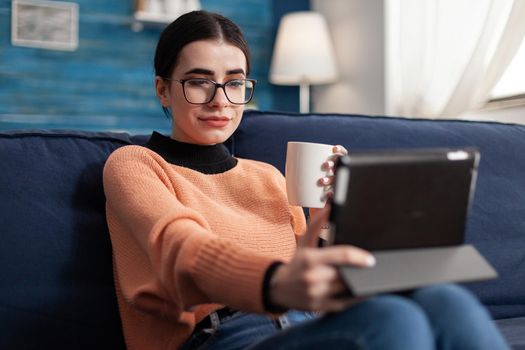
(185,243)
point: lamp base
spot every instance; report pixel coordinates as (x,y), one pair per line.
(304,98)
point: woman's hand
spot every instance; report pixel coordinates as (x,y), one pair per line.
(328,166)
(311,281)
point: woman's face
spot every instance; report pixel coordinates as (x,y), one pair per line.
(215,121)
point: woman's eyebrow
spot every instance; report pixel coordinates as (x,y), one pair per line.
(199,71)
(235,71)
(204,71)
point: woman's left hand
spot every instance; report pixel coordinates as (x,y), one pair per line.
(328,166)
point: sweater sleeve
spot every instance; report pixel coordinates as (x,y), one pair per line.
(298,221)
(187,264)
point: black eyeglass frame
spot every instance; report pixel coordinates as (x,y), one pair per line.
(217,85)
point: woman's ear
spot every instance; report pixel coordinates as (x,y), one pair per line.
(163,91)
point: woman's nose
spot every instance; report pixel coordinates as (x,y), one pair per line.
(220,98)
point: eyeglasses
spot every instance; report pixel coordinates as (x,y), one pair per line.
(200,91)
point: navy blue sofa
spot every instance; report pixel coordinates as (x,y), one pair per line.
(56,287)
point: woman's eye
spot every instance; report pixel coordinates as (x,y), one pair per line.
(198,82)
(236,83)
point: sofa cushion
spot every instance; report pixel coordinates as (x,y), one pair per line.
(496,224)
(56,284)
(512,330)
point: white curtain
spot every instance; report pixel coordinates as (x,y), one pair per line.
(443,57)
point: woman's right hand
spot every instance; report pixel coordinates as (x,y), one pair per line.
(311,280)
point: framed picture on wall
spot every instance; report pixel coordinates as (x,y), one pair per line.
(45,24)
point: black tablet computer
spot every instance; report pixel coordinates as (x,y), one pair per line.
(409,208)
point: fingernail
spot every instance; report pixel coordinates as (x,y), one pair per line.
(370,261)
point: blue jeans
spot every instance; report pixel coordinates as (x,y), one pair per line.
(436,317)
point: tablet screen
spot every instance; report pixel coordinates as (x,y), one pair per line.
(399,199)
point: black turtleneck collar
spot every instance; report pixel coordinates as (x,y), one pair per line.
(214,159)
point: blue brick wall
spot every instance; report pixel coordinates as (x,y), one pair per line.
(107,83)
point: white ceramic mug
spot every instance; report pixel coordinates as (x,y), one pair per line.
(304,162)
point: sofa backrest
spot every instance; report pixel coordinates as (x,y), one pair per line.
(496,223)
(56,284)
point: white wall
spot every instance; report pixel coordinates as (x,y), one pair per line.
(357,29)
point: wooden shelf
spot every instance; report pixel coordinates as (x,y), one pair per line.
(154,18)
(159,13)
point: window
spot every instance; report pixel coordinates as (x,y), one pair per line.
(512,83)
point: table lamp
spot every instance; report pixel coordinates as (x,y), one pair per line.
(303,54)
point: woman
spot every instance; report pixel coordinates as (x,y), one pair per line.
(205,244)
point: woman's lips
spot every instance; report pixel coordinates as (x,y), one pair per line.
(215,122)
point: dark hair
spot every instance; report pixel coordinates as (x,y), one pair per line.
(190,27)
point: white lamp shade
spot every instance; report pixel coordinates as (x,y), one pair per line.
(303,51)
